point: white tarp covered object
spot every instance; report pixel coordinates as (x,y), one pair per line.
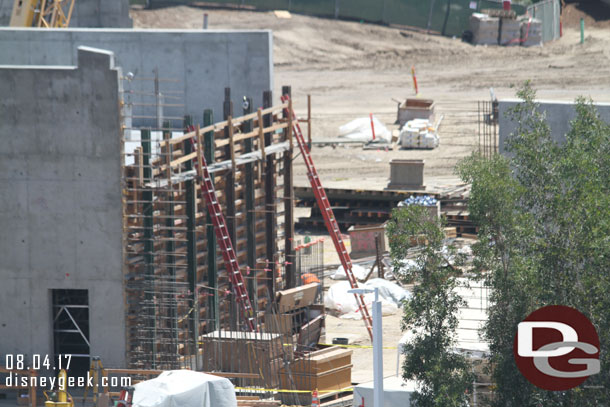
(185,388)
(360,130)
(358,271)
(391,295)
(418,133)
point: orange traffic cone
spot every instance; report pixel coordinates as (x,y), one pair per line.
(315,401)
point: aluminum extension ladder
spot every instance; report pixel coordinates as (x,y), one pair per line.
(222,235)
(329,217)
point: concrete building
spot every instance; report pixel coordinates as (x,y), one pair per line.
(195,65)
(558,114)
(92,230)
(61,250)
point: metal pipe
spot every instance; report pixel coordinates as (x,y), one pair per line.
(377,352)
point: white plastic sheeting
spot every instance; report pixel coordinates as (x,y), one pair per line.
(185,388)
(391,295)
(360,130)
(358,271)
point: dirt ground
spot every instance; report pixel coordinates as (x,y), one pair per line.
(352,69)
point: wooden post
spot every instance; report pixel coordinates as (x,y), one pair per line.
(288,200)
(379,255)
(213,311)
(270,210)
(139,162)
(309,122)
(33,373)
(261,134)
(231,143)
(250,207)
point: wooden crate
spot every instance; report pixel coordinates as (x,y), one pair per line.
(325,369)
(295,298)
(415,109)
(244,352)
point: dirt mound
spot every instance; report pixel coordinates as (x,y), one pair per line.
(595,12)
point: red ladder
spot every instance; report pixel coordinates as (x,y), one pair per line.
(222,235)
(329,217)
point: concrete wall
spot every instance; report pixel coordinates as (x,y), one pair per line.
(86,13)
(558,114)
(202,63)
(60,201)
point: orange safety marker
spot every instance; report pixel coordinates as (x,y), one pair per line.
(372,125)
(414,80)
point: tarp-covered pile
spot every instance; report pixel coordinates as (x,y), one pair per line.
(185,388)
(361,130)
(418,133)
(391,295)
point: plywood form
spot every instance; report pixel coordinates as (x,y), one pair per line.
(169,215)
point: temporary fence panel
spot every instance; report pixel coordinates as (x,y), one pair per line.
(548,12)
(324,8)
(449,17)
(365,10)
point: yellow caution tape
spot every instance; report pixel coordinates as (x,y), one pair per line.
(293,391)
(334,344)
(356,346)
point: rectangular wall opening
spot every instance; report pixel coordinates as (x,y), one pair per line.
(71,330)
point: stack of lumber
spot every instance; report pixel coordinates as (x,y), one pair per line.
(510,32)
(260,354)
(352,206)
(328,369)
(484,29)
(531,32)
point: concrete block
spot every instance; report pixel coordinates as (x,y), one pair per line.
(484,29)
(406,174)
(559,114)
(510,32)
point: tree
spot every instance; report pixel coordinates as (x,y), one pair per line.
(544,238)
(431,313)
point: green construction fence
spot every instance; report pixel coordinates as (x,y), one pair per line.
(449,17)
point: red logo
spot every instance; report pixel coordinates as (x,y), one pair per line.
(556,348)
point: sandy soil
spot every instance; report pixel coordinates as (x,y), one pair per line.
(353,69)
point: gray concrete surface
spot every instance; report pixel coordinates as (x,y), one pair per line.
(559,115)
(60,201)
(200,63)
(86,13)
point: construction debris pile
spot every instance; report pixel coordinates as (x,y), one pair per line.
(505,29)
(418,133)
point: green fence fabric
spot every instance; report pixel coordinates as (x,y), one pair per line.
(548,12)
(450,17)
